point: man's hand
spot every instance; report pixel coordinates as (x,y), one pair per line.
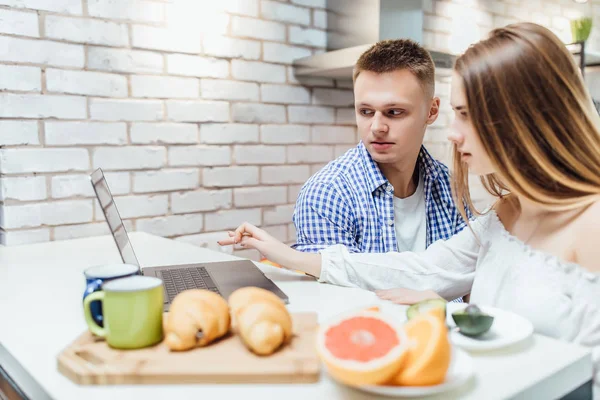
(406,296)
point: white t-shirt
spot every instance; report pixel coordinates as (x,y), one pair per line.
(410,221)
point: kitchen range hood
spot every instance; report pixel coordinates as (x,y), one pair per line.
(355,25)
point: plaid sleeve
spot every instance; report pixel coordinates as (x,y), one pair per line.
(323,217)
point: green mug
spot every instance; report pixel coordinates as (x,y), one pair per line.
(133,311)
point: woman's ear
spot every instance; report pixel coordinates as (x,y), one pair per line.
(434,110)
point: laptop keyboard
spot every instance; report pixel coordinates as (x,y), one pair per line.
(179,279)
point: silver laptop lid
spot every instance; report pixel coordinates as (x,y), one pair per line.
(111,214)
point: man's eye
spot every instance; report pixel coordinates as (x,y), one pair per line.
(366,112)
(395,113)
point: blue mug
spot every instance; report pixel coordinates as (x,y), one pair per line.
(96,276)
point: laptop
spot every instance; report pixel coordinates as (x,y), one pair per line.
(222,277)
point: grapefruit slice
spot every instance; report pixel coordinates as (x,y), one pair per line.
(362,348)
(429,352)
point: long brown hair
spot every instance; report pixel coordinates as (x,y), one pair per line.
(529,105)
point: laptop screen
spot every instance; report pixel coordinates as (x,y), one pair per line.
(115,223)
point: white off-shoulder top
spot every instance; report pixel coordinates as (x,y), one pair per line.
(561,299)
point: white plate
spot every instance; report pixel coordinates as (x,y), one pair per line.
(460,371)
(507,329)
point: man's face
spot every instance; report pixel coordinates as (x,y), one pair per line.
(392,112)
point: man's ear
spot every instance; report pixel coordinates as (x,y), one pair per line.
(434,110)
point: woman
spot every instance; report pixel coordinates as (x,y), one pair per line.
(526,124)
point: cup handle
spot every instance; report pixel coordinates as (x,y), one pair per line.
(94,327)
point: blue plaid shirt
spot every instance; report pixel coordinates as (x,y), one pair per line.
(350,202)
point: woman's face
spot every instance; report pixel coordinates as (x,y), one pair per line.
(463,134)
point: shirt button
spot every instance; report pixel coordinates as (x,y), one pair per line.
(388,188)
(391,222)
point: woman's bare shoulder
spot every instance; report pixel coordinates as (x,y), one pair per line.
(588,237)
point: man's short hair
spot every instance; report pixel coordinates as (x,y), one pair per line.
(398,54)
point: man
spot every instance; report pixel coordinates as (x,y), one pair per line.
(387,193)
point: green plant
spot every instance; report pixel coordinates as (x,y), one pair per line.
(581,28)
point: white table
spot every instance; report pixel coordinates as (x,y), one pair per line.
(40,313)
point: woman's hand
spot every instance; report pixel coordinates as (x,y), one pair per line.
(406,296)
(250,237)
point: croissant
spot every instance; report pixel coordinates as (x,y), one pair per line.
(196,318)
(261,318)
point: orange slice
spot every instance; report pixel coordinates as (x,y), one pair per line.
(362,348)
(429,352)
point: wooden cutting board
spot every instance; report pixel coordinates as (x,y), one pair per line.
(90,361)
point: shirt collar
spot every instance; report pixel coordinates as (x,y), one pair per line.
(375,179)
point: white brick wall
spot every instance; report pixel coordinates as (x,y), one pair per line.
(133,157)
(260,196)
(52,213)
(196,117)
(86,30)
(87,83)
(164,87)
(200,200)
(165,180)
(64,186)
(41,106)
(126,110)
(199,155)
(60,133)
(309,154)
(184,64)
(221,46)
(257,71)
(220,89)
(230,176)
(13,77)
(333,134)
(228,133)
(333,97)
(278,215)
(124,60)
(258,155)
(197,111)
(19,23)
(138,206)
(276,11)
(163,133)
(285,174)
(258,113)
(59,6)
(17,161)
(284,134)
(311,115)
(44,52)
(136,10)
(307,36)
(282,53)
(82,230)
(23,188)
(257,29)
(172,225)
(284,94)
(345,116)
(231,219)
(14,133)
